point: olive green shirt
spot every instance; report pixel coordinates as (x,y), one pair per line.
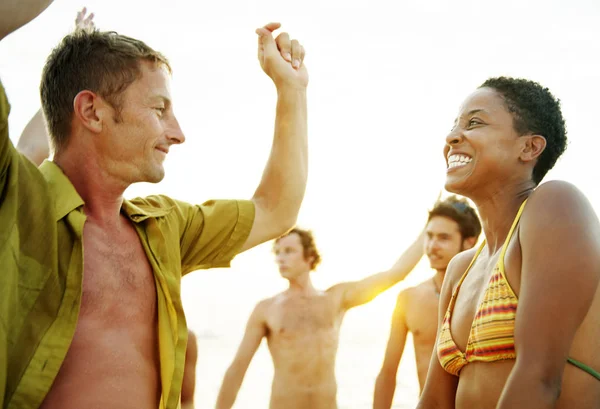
(41,268)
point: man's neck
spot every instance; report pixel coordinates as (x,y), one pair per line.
(102,194)
(302,285)
(438,279)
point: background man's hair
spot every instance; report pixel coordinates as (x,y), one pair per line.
(308,245)
(461,212)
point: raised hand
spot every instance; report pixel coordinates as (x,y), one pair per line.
(281,59)
(83,22)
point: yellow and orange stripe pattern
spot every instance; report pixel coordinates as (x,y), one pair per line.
(492,332)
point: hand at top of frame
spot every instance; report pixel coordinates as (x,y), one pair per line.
(281,58)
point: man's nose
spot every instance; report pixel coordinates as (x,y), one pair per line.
(175,134)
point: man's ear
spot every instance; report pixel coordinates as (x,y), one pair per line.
(533,146)
(88,108)
(468,243)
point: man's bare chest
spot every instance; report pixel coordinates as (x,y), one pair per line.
(118,282)
(422,317)
(298,317)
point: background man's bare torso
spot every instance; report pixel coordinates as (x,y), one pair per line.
(421,320)
(302,335)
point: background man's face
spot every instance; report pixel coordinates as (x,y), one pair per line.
(289,256)
(442,241)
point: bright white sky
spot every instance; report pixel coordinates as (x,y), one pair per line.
(386,81)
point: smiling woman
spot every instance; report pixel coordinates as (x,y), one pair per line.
(541,258)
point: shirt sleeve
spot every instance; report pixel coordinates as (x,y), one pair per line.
(213,233)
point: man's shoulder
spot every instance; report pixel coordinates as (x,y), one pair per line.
(265,304)
(153,201)
(264,309)
(140,208)
(416,292)
(409,292)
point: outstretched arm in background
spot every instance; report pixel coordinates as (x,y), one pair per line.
(360,292)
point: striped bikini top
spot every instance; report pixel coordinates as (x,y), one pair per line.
(492,332)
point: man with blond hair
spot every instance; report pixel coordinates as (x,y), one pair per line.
(90,301)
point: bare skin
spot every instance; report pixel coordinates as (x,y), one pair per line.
(413,315)
(481,385)
(33,142)
(113,357)
(302,331)
(302,327)
(118,309)
(417,307)
(552,264)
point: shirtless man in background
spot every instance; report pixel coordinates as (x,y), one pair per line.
(302,326)
(452,227)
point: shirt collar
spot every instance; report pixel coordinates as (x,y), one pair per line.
(65,197)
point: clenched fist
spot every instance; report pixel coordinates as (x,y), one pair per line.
(281,59)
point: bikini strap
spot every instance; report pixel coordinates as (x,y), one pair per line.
(510,233)
(470,265)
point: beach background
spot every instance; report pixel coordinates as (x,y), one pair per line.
(386,81)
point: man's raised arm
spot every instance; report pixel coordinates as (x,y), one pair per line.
(279,195)
(360,292)
(16,13)
(13,14)
(34,141)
